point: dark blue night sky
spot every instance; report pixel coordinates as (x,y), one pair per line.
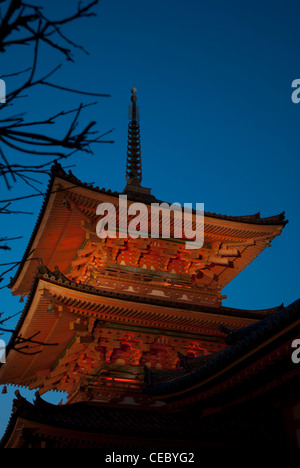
(218,125)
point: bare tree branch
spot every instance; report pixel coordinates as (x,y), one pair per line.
(21,18)
(26,25)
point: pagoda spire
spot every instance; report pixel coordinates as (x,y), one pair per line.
(134,161)
(134,188)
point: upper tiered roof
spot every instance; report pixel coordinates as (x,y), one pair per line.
(68,217)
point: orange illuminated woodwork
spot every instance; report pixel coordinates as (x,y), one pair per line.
(65,236)
(113,306)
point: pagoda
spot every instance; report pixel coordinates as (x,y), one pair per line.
(127,327)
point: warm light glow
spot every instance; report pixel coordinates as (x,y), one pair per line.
(116,379)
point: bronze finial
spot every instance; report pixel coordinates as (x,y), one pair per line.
(133,97)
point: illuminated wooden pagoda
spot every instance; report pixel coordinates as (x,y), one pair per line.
(104,314)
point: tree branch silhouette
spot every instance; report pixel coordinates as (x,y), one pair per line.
(24,24)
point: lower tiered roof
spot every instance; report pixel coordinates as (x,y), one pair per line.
(258,358)
(234,398)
